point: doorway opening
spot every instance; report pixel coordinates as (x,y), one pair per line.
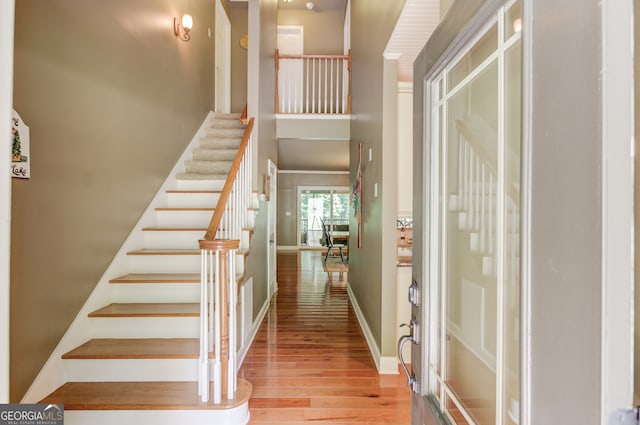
(318,206)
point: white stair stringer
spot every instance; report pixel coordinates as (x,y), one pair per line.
(174,221)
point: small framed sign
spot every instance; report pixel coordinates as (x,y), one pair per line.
(20,162)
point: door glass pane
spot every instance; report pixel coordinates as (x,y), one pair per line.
(454,412)
(511,327)
(471,282)
(478,53)
(312,211)
(513,20)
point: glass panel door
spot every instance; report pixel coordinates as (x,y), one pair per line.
(474,231)
(323,205)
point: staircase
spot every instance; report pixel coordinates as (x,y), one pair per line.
(134,358)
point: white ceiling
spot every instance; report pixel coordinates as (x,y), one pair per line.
(416,24)
(318,5)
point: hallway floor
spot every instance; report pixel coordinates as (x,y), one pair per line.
(310,362)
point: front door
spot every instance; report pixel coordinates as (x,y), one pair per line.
(468,368)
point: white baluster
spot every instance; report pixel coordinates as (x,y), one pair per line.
(325,85)
(306,109)
(483,225)
(217,366)
(478,193)
(472,190)
(313,94)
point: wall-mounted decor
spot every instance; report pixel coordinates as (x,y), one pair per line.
(19,138)
(356,197)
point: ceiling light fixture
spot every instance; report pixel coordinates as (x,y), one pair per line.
(183,30)
(310,5)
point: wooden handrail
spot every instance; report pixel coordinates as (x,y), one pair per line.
(347,56)
(228,184)
(466,130)
(243,115)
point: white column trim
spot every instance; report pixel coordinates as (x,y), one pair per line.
(7,9)
(617,207)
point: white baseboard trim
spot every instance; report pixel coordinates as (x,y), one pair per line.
(386,365)
(254,331)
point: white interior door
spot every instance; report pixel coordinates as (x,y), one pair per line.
(222,60)
(271,227)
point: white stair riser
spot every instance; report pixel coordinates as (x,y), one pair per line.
(198,219)
(145,327)
(236,416)
(125,370)
(171,264)
(164,263)
(156,293)
(155,239)
(200,184)
(174,239)
(192,200)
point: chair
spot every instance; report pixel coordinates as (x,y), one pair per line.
(329,243)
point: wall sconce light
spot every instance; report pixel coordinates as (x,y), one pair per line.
(182,30)
(517,25)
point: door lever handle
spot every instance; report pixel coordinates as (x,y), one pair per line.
(411,378)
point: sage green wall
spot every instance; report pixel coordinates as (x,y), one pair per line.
(239,28)
(112,99)
(265,11)
(288,200)
(323,30)
(267,129)
(367,47)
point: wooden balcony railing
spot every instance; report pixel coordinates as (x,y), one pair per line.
(218,291)
(313,84)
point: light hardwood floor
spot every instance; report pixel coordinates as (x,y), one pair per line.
(309,362)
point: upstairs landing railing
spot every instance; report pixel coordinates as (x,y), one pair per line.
(218,290)
(313,84)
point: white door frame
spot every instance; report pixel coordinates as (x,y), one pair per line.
(7,9)
(272,170)
(222,102)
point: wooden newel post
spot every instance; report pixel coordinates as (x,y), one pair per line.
(223,247)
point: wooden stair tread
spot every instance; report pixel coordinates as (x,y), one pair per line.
(163,278)
(136,348)
(165,252)
(148,310)
(175,252)
(140,396)
(158,278)
(194,191)
(184,209)
(174,229)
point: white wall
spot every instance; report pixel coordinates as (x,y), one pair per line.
(6,89)
(405,149)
